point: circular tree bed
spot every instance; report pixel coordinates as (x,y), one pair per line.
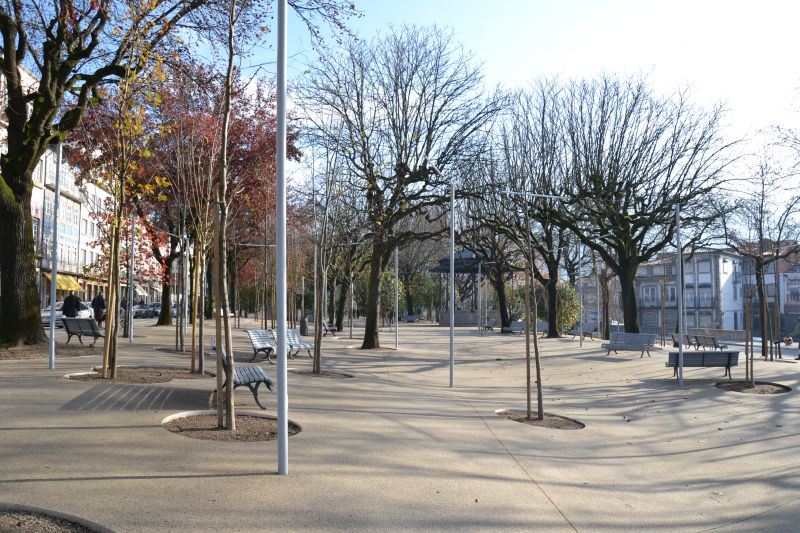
(42,351)
(761,387)
(548,420)
(249,427)
(25,519)
(141,374)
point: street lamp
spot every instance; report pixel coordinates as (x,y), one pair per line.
(54,262)
(280,200)
(452,271)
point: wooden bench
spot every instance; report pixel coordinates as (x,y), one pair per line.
(621,340)
(78,327)
(250,376)
(262,341)
(707,341)
(702,358)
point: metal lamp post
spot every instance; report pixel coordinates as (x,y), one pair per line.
(283,397)
(452,273)
(54,263)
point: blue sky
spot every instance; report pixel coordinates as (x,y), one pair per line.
(744,54)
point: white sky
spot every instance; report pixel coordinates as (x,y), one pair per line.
(743,54)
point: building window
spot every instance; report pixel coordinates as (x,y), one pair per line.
(671,298)
(724,266)
(35,224)
(704,266)
(649,295)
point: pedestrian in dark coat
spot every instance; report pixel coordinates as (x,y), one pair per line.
(99,306)
(71,305)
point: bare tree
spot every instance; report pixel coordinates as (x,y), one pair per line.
(764,230)
(408,100)
(634,156)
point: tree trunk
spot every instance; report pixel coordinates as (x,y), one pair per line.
(371,335)
(762,307)
(498,282)
(165,315)
(344,287)
(628,291)
(20,318)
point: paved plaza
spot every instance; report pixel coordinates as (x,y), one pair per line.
(395,449)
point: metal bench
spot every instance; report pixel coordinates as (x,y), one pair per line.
(262,341)
(575,332)
(489,326)
(250,376)
(329,328)
(621,340)
(294,343)
(78,327)
(701,358)
(517,326)
(707,341)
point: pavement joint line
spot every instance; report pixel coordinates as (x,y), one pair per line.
(528,474)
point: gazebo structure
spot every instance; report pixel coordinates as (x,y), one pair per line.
(470,273)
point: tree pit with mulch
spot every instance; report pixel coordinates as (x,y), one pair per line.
(141,374)
(30,522)
(548,420)
(42,351)
(746,387)
(328,374)
(249,428)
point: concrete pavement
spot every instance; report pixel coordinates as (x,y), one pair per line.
(395,449)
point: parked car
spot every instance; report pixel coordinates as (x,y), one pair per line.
(140,311)
(91,309)
(153,310)
(84,311)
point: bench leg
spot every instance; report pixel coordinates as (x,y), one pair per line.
(727,373)
(80,339)
(255,353)
(254,390)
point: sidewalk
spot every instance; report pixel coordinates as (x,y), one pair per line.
(395,449)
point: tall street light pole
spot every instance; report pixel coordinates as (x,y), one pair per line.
(452,273)
(283,397)
(54,262)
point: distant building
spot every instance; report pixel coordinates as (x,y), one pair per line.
(712,292)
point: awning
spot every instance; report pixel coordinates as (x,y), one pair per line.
(141,291)
(65,282)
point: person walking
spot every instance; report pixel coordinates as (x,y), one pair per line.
(789,339)
(99,306)
(71,305)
